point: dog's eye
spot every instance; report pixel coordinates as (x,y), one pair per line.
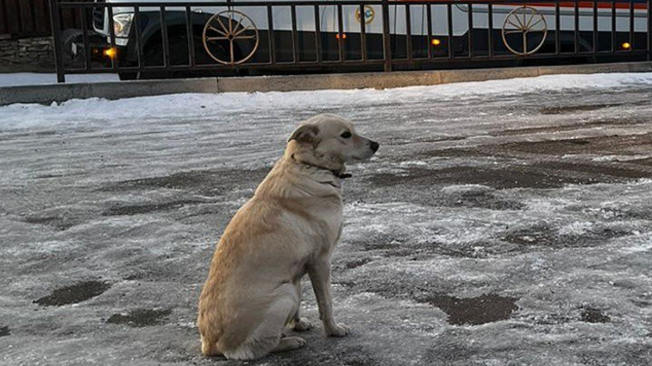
(346,135)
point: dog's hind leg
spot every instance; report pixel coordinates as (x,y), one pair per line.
(268,335)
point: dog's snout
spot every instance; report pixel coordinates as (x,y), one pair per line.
(374,145)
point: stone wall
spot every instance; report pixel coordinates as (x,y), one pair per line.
(25,53)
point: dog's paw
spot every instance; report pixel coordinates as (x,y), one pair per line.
(302,325)
(339,330)
(289,344)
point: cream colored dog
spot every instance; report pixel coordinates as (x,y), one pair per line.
(287,229)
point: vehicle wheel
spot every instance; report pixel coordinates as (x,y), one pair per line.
(68,37)
(153,56)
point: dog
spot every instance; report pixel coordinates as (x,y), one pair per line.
(289,228)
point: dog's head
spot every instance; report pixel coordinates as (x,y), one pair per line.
(329,141)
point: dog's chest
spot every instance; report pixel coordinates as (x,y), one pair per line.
(326,220)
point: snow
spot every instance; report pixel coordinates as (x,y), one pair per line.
(532,192)
(27,78)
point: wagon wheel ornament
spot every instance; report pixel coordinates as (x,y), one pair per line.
(530,25)
(222,33)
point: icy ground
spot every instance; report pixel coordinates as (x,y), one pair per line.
(501,223)
(28,78)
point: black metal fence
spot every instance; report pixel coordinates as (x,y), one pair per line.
(162,39)
(28,18)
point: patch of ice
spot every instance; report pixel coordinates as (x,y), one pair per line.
(620,157)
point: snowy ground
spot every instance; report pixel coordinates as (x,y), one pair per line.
(501,223)
(28,78)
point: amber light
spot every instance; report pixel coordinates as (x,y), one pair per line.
(111,52)
(435,42)
(626,45)
(338,36)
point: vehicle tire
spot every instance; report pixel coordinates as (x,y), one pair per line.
(153,56)
(67,37)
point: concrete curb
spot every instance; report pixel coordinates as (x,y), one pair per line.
(46,94)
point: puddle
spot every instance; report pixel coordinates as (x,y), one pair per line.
(475,310)
(357,263)
(556,129)
(209,183)
(593,315)
(128,210)
(61,223)
(543,235)
(140,318)
(498,178)
(602,145)
(479,199)
(4,331)
(74,294)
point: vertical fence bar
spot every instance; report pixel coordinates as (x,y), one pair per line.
(470,23)
(318,54)
(164,35)
(429,18)
(387,45)
(191,37)
(449,14)
(649,30)
(595,26)
(270,35)
(631,25)
(576,42)
(613,26)
(114,63)
(363,33)
(490,36)
(295,38)
(341,35)
(139,40)
(56,37)
(85,40)
(557,29)
(408,32)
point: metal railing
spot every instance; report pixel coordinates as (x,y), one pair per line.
(236,37)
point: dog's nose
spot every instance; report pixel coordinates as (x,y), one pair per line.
(374,146)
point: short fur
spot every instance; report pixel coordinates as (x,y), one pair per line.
(286,230)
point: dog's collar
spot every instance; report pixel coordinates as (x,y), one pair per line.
(334,172)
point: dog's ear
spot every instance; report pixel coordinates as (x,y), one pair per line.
(305,134)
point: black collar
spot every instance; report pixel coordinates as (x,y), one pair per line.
(334,172)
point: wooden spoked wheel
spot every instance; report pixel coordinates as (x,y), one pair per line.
(225,34)
(524,31)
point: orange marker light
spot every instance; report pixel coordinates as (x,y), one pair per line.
(111,52)
(435,42)
(626,46)
(338,36)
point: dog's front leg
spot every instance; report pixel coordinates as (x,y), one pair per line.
(320,276)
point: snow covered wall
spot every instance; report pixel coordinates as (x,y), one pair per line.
(501,223)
